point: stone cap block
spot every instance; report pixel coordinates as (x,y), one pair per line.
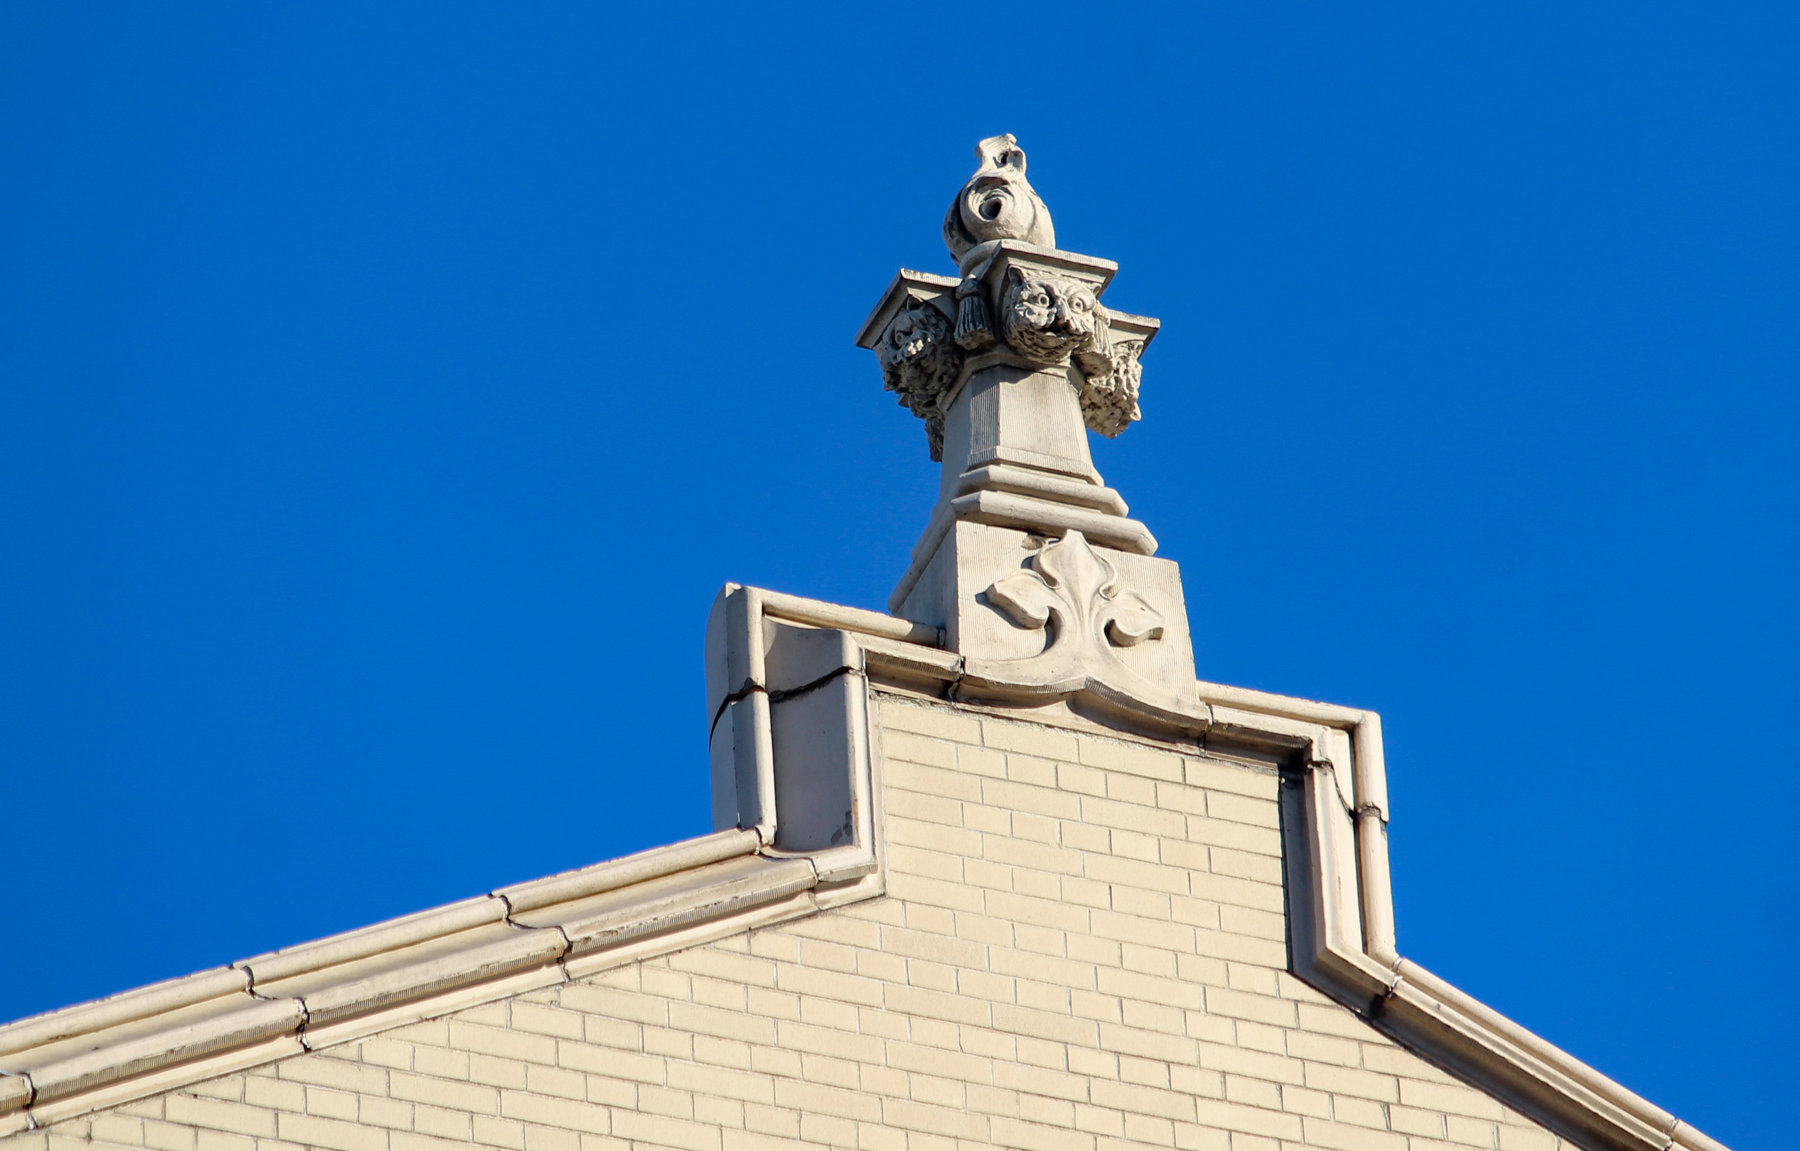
(907,286)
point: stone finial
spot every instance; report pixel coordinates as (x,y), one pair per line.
(1019,301)
(997,203)
(1030,563)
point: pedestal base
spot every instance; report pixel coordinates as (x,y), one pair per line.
(1056,611)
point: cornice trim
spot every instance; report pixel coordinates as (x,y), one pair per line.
(545,932)
(513,939)
(1341,934)
(1342,938)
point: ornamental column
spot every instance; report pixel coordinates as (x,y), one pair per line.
(1029,562)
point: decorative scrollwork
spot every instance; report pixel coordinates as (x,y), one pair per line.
(919,362)
(1074,591)
(997,203)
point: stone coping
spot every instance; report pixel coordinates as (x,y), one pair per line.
(567,926)
(347,986)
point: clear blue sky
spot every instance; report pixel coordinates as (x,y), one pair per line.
(385,391)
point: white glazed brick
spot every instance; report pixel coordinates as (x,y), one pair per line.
(935,722)
(1083,949)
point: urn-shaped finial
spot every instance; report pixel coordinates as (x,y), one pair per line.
(997,203)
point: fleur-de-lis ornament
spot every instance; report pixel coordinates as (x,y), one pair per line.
(1076,595)
(1072,590)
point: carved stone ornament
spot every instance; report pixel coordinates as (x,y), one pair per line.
(997,203)
(1109,399)
(1074,593)
(1048,318)
(1051,320)
(1017,303)
(919,361)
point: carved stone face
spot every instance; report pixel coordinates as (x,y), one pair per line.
(911,335)
(1045,318)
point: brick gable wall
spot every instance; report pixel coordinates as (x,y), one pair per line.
(1082,949)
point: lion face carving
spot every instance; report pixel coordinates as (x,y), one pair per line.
(1048,318)
(919,362)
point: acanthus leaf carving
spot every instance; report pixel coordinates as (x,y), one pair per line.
(1134,622)
(1109,393)
(919,362)
(1024,598)
(1075,594)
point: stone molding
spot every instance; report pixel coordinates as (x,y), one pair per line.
(792,749)
(1335,812)
(1341,931)
(167,1035)
(514,939)
(568,926)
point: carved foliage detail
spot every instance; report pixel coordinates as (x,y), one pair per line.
(1075,592)
(1109,399)
(919,362)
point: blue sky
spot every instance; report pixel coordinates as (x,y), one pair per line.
(385,391)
